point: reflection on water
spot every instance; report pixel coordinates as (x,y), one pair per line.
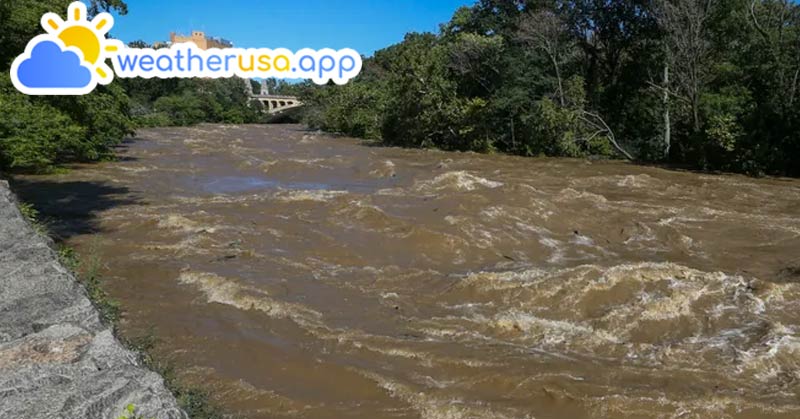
(299,275)
(236,184)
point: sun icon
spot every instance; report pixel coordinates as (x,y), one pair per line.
(88,37)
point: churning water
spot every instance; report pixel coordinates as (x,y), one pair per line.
(295,274)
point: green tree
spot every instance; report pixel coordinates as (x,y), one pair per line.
(37,133)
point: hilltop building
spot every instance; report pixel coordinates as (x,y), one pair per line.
(199,38)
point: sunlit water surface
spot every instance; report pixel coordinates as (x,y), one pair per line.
(294,274)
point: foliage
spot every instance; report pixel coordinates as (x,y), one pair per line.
(711,84)
(33,134)
(130,413)
(87,271)
(196,403)
(349,111)
(165,102)
(38,134)
(29,212)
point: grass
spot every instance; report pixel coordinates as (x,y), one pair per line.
(32,215)
(130,413)
(193,401)
(87,270)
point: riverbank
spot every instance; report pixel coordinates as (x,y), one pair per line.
(293,274)
(57,358)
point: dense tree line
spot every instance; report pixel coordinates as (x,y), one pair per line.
(709,84)
(163,102)
(37,133)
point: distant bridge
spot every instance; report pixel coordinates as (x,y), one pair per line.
(273,104)
(276,103)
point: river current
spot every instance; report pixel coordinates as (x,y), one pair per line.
(296,274)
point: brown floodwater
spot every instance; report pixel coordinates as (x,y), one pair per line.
(295,274)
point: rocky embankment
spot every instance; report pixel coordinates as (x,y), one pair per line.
(57,359)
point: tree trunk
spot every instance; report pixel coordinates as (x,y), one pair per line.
(665,102)
(558,78)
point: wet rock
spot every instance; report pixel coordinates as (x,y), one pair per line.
(56,358)
(223,258)
(789,274)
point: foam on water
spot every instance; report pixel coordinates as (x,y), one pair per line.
(385,169)
(461,285)
(228,291)
(177,222)
(549,332)
(317,195)
(457,180)
(570,194)
(430,407)
(642,313)
(776,357)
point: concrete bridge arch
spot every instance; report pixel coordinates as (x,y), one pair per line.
(272,103)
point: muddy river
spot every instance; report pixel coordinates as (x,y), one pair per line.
(294,274)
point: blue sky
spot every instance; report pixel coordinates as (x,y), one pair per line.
(363,25)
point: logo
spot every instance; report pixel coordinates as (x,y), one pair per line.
(70,59)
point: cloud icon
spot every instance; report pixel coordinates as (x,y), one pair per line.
(48,68)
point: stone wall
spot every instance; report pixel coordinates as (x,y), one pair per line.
(57,360)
